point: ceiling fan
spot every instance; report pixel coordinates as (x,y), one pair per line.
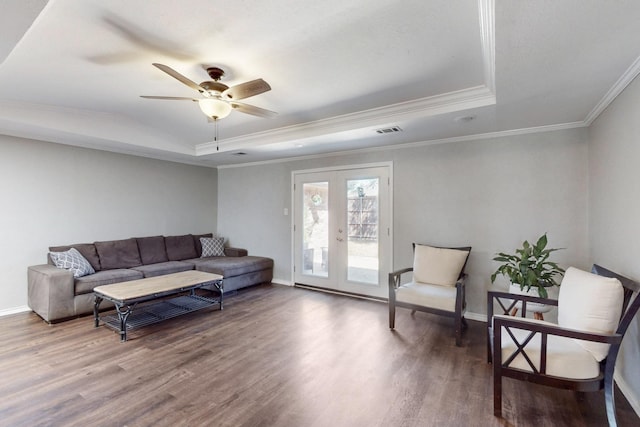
(218,99)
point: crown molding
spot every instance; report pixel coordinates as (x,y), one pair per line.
(486,9)
(624,80)
(478,96)
(464,138)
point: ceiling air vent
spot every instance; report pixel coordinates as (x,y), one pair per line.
(391,129)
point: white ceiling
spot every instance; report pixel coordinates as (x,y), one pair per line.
(71,72)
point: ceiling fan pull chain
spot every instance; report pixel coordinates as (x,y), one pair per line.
(215,137)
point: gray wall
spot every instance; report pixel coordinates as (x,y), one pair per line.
(54,194)
(614,211)
(491,194)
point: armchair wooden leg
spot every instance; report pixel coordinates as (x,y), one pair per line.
(497,390)
(609,400)
(459,322)
(392,316)
(489,345)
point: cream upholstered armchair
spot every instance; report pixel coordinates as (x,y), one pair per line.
(438,285)
(579,352)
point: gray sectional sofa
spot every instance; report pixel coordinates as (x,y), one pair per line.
(55,295)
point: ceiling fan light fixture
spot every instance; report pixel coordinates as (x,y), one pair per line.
(213,105)
(214,108)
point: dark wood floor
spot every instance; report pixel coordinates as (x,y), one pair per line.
(275,356)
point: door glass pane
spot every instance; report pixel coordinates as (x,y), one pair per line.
(362,226)
(315,235)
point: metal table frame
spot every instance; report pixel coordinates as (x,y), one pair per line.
(148,314)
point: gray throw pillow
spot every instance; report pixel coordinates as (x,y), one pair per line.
(212,246)
(88,251)
(196,240)
(73,261)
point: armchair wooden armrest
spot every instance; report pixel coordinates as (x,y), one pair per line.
(545,329)
(394,282)
(499,296)
(461,300)
(394,277)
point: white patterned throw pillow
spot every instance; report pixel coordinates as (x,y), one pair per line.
(212,246)
(73,261)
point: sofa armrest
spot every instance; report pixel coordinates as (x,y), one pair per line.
(235,252)
(50,292)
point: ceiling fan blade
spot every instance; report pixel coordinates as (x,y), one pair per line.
(253,110)
(245,90)
(176,75)
(171,98)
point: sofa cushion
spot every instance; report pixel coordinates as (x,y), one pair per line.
(152,250)
(565,356)
(232,266)
(427,295)
(196,241)
(592,303)
(162,268)
(73,261)
(118,254)
(85,285)
(438,266)
(212,246)
(180,247)
(88,251)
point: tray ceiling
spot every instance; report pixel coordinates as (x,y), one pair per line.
(73,72)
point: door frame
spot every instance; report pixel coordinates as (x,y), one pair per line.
(292,210)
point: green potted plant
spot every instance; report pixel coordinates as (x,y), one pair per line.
(529,268)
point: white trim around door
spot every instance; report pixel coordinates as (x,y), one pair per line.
(342,220)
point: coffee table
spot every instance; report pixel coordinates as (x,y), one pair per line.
(127,295)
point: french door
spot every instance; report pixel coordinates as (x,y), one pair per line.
(342,234)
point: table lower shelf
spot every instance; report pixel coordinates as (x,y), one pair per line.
(155,312)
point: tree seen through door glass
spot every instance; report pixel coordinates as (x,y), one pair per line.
(362,228)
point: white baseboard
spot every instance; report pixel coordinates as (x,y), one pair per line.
(469,315)
(628,392)
(14,310)
(476,316)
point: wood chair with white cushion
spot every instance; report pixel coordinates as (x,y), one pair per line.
(579,353)
(438,285)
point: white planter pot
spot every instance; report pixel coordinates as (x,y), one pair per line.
(532,307)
